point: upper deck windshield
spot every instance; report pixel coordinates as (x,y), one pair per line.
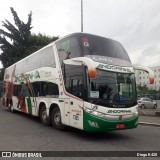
(100,46)
(112,89)
(81,44)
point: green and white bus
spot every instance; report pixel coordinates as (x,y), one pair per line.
(81,80)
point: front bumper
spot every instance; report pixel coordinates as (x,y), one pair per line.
(92,123)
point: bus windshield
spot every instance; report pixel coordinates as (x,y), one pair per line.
(112,89)
(100,46)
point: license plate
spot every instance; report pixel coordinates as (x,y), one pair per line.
(119,126)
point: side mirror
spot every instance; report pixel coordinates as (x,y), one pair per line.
(146,69)
(92,73)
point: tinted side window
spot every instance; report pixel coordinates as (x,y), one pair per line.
(53,89)
(45,88)
(16,90)
(24,92)
(21,90)
(36,88)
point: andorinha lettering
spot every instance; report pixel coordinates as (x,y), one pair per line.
(111,67)
(29,76)
(119,111)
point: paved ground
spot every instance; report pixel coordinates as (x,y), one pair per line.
(20,132)
(150,116)
(149,120)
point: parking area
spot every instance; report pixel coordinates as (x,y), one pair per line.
(150,115)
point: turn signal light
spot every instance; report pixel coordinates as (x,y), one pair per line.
(92,73)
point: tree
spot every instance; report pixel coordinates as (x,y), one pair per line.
(18,41)
(142,89)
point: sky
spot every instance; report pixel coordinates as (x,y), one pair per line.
(134,23)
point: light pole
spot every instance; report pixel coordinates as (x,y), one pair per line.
(81,15)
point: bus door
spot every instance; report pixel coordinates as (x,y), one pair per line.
(73,77)
(73,114)
(76,104)
(76,113)
(66,111)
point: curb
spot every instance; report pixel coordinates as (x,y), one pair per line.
(149,124)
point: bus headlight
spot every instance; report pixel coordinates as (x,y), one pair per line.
(95,113)
(136,113)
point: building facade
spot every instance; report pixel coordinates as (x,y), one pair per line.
(143,79)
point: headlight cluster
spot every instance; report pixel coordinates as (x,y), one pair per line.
(95,113)
(136,112)
(111,117)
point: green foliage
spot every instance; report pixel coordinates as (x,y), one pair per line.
(18,42)
(142,89)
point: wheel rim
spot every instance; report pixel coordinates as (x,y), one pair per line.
(44,116)
(57,118)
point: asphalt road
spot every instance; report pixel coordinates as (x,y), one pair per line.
(20,132)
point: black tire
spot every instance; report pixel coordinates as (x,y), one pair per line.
(56,119)
(10,107)
(155,106)
(143,106)
(43,116)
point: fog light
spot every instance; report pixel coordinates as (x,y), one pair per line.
(93,124)
(135,113)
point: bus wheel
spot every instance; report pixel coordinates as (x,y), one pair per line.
(56,119)
(43,116)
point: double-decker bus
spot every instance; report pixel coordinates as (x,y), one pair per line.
(82,80)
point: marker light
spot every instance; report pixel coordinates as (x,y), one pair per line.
(92,73)
(151,80)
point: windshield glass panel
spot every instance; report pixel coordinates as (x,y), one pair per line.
(96,45)
(110,88)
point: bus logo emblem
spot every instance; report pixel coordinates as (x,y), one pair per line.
(120,117)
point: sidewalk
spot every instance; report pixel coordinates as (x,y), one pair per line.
(150,120)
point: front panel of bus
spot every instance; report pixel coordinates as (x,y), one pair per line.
(109,98)
(112,96)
